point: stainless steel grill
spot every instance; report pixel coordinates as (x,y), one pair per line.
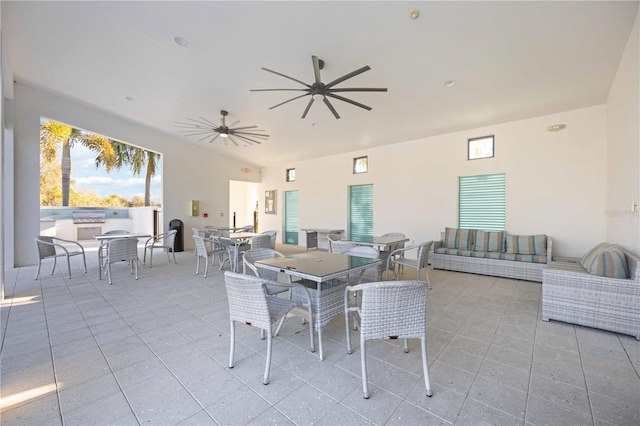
(89,216)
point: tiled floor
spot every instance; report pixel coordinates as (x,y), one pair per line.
(155,351)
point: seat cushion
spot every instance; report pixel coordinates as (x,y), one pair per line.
(527,244)
(488,241)
(458,238)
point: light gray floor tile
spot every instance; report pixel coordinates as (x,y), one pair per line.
(167,346)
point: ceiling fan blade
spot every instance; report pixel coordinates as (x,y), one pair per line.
(257,135)
(347,76)
(205,137)
(241,128)
(316,69)
(292,99)
(286,76)
(247,139)
(201,123)
(306,110)
(233,124)
(273,90)
(194,132)
(215,137)
(233,140)
(360,89)
(349,101)
(208,121)
(333,110)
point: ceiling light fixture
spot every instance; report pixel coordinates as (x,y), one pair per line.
(213,131)
(181,41)
(449,83)
(414,14)
(556,127)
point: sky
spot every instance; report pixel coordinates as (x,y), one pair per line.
(85,175)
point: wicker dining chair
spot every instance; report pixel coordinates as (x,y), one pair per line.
(52,247)
(250,304)
(389,310)
(398,259)
(203,251)
(119,250)
(249,258)
(261,241)
(396,246)
(160,241)
(273,234)
(368,275)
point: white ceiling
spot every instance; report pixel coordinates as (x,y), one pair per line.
(511,60)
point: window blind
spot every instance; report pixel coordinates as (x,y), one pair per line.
(481,202)
(360,211)
(291,217)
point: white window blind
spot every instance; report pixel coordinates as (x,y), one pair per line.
(360,211)
(481,202)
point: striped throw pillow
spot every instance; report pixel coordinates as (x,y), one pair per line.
(610,263)
(527,244)
(457,238)
(590,256)
(488,241)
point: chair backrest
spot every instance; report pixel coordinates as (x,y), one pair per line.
(197,232)
(253,254)
(423,254)
(370,253)
(201,247)
(393,309)
(272,234)
(122,249)
(341,246)
(248,228)
(247,296)
(395,235)
(170,237)
(45,246)
(261,241)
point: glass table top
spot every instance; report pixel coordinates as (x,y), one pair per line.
(318,263)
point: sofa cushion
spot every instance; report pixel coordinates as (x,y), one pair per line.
(590,256)
(527,244)
(458,238)
(610,262)
(488,241)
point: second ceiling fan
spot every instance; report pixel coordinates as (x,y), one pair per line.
(321,91)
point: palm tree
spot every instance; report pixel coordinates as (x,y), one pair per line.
(54,135)
(136,158)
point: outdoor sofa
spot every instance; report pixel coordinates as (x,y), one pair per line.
(496,253)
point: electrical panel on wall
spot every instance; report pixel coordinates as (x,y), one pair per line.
(195,208)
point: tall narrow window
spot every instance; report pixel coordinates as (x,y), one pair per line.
(481,202)
(291,217)
(360,211)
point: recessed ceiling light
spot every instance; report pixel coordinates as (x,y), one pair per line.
(556,127)
(414,14)
(129,98)
(449,83)
(314,124)
(181,41)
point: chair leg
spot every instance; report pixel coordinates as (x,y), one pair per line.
(55,262)
(39,265)
(406,346)
(109,272)
(232,351)
(426,271)
(173,252)
(363,361)
(425,367)
(84,259)
(134,263)
(197,264)
(267,367)
(69,266)
(206,266)
(348,330)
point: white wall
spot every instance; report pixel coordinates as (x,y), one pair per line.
(189,170)
(556,182)
(623,148)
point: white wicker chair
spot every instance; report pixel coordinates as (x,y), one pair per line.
(273,234)
(52,247)
(250,304)
(102,249)
(248,268)
(368,275)
(199,233)
(122,249)
(389,310)
(203,251)
(398,258)
(261,241)
(396,246)
(331,238)
(160,241)
(338,246)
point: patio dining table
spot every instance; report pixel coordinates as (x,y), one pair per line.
(235,240)
(320,270)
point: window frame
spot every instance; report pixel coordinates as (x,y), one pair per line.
(472,141)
